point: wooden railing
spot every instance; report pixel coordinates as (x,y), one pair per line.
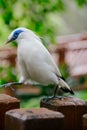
(72,50)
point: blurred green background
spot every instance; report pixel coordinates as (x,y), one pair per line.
(48,18)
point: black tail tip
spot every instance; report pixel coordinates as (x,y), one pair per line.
(68,90)
(71,92)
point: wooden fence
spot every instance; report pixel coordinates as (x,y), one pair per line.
(66,113)
(72,50)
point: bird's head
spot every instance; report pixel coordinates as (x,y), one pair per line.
(16,34)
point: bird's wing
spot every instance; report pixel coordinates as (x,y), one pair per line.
(50,61)
(47,58)
(38,62)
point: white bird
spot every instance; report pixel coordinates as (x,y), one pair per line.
(35,62)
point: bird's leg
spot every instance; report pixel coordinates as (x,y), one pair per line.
(55,90)
(54,94)
(11,84)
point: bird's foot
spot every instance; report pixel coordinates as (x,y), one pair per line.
(10,85)
(7,85)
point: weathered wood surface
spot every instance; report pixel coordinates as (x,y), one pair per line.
(6,103)
(72,108)
(33,119)
(85,122)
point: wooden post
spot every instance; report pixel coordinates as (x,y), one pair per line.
(72,108)
(33,119)
(85,122)
(61,51)
(6,103)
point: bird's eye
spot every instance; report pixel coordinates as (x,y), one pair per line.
(16,34)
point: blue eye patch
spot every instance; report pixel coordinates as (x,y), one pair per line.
(16,34)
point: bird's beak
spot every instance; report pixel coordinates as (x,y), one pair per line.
(8,41)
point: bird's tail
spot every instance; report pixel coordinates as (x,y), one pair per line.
(64,86)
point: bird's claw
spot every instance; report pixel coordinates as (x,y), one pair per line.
(12,89)
(8,85)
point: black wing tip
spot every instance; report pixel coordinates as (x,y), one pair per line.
(68,90)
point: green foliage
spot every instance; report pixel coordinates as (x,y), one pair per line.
(64,70)
(8,74)
(34,14)
(81,2)
(81,94)
(30,103)
(82,79)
